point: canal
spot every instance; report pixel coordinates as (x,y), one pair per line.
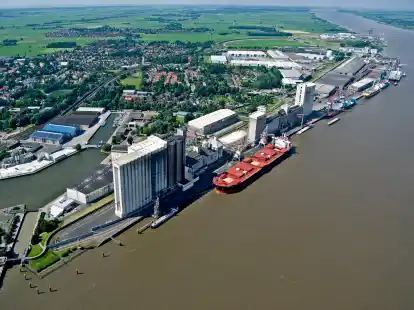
(38,189)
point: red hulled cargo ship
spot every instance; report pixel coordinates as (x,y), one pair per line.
(245,172)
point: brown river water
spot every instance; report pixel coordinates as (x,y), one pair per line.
(329,228)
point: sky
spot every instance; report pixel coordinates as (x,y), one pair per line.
(374,4)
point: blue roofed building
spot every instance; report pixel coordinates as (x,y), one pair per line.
(63,129)
(47,137)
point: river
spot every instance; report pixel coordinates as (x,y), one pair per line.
(38,189)
(329,228)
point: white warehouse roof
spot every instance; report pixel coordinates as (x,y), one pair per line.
(247,53)
(135,151)
(267,63)
(290,73)
(211,118)
(233,137)
(257,114)
(276,54)
(89,109)
(363,82)
(218,58)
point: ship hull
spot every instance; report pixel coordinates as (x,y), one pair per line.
(372,94)
(232,189)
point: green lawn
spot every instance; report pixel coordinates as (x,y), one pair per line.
(48,259)
(262,43)
(35,250)
(135,80)
(60,93)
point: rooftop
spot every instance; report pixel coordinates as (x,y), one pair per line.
(257,114)
(218,58)
(77,118)
(210,118)
(96,181)
(247,53)
(60,129)
(135,151)
(290,73)
(47,135)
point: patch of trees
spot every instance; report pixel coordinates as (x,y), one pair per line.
(62,45)
(269,79)
(251,27)
(8,42)
(43,226)
(268,34)
(358,43)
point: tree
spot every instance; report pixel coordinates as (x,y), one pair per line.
(114,140)
(35,239)
(78,147)
(130,140)
(106,148)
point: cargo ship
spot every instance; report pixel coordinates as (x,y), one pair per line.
(372,92)
(250,168)
(164,218)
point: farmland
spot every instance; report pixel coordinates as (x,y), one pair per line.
(29,28)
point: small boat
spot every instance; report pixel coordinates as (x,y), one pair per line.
(404,74)
(395,83)
(164,218)
(331,122)
(304,129)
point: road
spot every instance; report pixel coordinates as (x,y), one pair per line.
(86,224)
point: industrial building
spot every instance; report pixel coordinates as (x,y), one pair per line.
(257,123)
(213,122)
(325,90)
(362,84)
(70,131)
(237,137)
(94,187)
(218,59)
(83,120)
(54,134)
(176,159)
(140,176)
(276,54)
(305,94)
(266,63)
(47,137)
(343,75)
(200,157)
(311,56)
(246,54)
(90,109)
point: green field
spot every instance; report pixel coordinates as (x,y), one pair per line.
(60,93)
(134,80)
(262,43)
(20,24)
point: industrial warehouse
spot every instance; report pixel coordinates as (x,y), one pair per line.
(213,122)
(82,119)
(94,187)
(54,134)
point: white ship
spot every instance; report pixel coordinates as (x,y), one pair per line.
(164,218)
(333,121)
(304,129)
